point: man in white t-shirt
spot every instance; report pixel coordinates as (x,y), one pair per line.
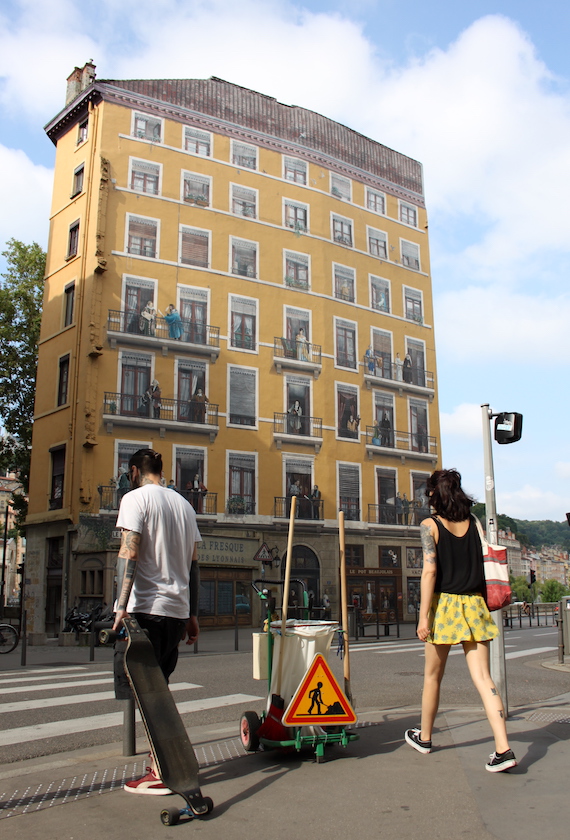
(157,575)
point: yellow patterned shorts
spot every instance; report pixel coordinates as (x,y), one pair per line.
(460,618)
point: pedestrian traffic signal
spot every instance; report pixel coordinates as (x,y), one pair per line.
(508,427)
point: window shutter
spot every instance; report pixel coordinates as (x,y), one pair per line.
(194,247)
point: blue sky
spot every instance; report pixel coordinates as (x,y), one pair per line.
(478,92)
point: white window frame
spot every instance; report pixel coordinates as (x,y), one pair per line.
(287,252)
(371,278)
(300,205)
(181,230)
(236,143)
(135,352)
(344,220)
(234,239)
(348,269)
(376,194)
(230,425)
(336,320)
(138,444)
(180,362)
(145,282)
(288,309)
(303,164)
(138,113)
(352,465)
(201,177)
(250,454)
(369,235)
(405,206)
(300,459)
(352,387)
(417,292)
(233,185)
(134,160)
(231,346)
(76,171)
(202,131)
(414,245)
(68,254)
(128,217)
(347,183)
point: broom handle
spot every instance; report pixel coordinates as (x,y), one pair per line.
(344,602)
(286,585)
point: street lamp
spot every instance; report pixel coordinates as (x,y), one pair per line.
(508,429)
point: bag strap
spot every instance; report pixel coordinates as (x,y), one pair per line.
(484,543)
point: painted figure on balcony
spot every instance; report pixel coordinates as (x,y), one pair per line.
(385,430)
(174,321)
(352,425)
(302,345)
(295,414)
(407,368)
(370,360)
(399,368)
(124,484)
(147,321)
(406,507)
(155,396)
(315,501)
(399,509)
(199,401)
(196,494)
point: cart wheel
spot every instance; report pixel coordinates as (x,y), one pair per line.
(170,816)
(249,724)
(210,803)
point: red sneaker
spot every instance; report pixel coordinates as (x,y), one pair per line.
(149,785)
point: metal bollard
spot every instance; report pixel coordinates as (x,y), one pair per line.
(236,634)
(129,735)
(24,639)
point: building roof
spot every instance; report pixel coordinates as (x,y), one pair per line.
(257,112)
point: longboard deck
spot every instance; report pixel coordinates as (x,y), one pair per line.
(175,758)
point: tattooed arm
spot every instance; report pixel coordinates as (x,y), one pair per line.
(126,567)
(428,535)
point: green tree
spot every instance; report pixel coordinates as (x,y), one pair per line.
(521,588)
(552,590)
(21,294)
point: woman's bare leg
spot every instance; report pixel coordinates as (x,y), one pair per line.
(434,667)
(477,656)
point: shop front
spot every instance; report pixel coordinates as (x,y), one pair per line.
(227,568)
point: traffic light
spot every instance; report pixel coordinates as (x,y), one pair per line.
(508,427)
(532,576)
(20,569)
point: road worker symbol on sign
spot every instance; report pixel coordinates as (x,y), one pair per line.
(319,699)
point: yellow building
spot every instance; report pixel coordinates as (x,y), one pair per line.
(268,269)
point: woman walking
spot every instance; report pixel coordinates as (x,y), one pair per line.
(453,610)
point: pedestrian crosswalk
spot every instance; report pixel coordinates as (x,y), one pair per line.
(418,648)
(51,711)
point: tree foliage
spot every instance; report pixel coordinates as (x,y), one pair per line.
(552,590)
(21,294)
(534,532)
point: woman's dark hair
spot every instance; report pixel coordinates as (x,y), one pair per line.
(147,461)
(447,497)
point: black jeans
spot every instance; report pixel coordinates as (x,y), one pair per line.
(165,634)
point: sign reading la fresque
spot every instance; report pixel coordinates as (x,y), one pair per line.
(216,551)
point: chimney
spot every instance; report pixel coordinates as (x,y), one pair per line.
(79,80)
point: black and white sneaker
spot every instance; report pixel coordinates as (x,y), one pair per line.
(501,761)
(412,737)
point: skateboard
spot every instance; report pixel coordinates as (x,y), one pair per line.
(175,759)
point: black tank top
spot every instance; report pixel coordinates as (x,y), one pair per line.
(459,561)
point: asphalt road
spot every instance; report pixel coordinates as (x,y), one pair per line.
(57,706)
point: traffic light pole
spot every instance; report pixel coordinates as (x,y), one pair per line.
(497,645)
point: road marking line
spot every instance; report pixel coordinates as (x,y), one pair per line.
(51,686)
(94,697)
(49,670)
(69,727)
(38,679)
(516,654)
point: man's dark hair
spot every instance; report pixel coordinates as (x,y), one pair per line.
(147,461)
(447,497)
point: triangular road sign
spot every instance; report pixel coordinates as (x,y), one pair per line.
(319,699)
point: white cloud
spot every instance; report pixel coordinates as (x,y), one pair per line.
(27,187)
(465,421)
(562,470)
(502,326)
(531,502)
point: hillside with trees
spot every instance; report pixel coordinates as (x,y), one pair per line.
(531,532)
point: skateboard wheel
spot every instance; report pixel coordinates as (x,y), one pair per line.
(170,816)
(209,802)
(107,637)
(249,724)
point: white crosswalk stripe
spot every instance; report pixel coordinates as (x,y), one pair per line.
(59,685)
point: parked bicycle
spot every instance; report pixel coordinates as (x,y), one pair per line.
(9,638)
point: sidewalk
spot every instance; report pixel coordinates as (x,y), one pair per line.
(378,786)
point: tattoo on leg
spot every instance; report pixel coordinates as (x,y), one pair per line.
(501,714)
(494,691)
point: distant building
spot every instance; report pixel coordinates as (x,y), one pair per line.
(15,545)
(269,269)
(514,556)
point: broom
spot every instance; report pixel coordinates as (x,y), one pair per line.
(344,608)
(272,729)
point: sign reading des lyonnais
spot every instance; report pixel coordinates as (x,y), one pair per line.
(220,551)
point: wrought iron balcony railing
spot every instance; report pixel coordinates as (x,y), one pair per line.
(387,515)
(383,368)
(239,505)
(168,410)
(351,507)
(290,423)
(110,498)
(301,351)
(385,438)
(306,508)
(187,332)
